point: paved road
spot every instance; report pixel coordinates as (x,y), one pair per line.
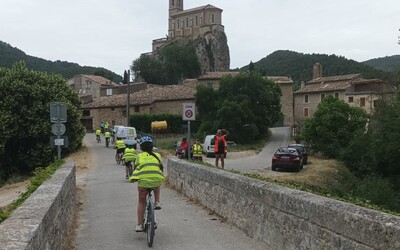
(262,161)
(108,215)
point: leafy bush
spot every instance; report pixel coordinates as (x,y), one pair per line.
(333,126)
(25,118)
(360,155)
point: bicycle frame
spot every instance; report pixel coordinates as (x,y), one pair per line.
(149,220)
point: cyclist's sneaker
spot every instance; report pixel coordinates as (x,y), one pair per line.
(157,206)
(126,177)
(139,228)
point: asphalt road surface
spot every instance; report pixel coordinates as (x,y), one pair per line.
(262,161)
(108,214)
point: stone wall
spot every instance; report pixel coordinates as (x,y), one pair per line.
(284,218)
(42,221)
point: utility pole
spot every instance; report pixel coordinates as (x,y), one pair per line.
(127,76)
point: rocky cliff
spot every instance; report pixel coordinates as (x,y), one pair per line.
(212,50)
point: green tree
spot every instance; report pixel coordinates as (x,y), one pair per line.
(174,63)
(333,126)
(25,118)
(247,105)
(387,133)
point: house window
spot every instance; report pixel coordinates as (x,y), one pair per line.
(337,95)
(305,112)
(187,22)
(305,98)
(209,85)
(109,92)
(86,112)
(173,2)
(351,99)
(375,103)
(137,109)
(177,24)
(322,97)
(212,18)
(362,102)
(196,19)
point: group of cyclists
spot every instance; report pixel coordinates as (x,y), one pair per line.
(107,132)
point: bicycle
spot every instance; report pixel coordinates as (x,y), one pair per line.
(98,138)
(107,142)
(130,168)
(149,218)
(118,158)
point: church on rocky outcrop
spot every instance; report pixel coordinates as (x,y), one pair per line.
(190,23)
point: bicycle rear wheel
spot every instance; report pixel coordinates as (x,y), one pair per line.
(117,159)
(150,224)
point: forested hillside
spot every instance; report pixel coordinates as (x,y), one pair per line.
(387,63)
(299,66)
(10,55)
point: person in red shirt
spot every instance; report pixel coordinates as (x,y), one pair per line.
(184,147)
(220,148)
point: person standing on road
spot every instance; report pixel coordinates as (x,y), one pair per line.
(149,174)
(220,148)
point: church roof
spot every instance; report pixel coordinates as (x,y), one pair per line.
(197,9)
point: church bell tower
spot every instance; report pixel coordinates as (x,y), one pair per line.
(175,6)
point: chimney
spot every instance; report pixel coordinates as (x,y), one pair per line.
(317,71)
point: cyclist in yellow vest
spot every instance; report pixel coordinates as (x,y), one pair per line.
(129,158)
(107,137)
(98,133)
(149,174)
(197,150)
(119,145)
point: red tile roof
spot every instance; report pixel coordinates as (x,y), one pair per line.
(216,75)
(197,9)
(280,79)
(100,79)
(146,97)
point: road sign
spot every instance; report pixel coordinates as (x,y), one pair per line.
(58,129)
(58,112)
(61,141)
(189,112)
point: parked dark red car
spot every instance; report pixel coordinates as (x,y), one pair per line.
(287,158)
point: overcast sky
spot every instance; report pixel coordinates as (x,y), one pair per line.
(112,33)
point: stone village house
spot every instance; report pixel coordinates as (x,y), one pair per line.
(152,100)
(352,89)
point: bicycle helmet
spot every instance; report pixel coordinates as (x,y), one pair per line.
(145,139)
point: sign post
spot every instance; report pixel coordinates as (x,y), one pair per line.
(58,116)
(188,115)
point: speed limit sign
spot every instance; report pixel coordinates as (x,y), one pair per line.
(188,112)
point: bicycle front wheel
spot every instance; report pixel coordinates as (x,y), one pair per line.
(151,223)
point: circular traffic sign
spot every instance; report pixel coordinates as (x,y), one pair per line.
(58,129)
(188,113)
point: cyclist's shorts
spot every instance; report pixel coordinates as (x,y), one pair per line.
(142,192)
(128,162)
(120,150)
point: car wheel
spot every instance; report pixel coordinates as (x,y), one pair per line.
(305,161)
(273,168)
(298,168)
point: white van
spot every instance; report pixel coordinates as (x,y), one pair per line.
(127,134)
(208,145)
